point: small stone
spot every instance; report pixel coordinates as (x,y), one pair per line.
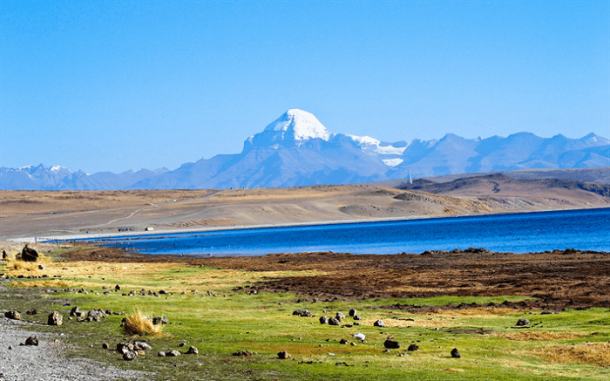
(242,353)
(379,323)
(55,319)
(161,354)
(32,340)
(283,355)
(192,351)
(105,346)
(41,267)
(181,345)
(413,347)
(391,344)
(173,353)
(142,346)
(357,317)
(340,316)
(343,341)
(352,312)
(129,356)
(455,353)
(333,321)
(117,288)
(522,322)
(323,319)
(15,315)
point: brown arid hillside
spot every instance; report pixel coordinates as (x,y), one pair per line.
(57,213)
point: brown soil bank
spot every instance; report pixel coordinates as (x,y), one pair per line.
(561,279)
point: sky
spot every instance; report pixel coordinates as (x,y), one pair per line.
(118,85)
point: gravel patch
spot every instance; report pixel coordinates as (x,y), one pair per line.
(46,361)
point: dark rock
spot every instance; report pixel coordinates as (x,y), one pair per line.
(323,319)
(522,322)
(333,321)
(142,346)
(15,315)
(173,353)
(357,317)
(340,316)
(413,347)
(391,344)
(181,345)
(105,346)
(379,323)
(192,351)
(455,354)
(41,267)
(28,254)
(129,356)
(343,341)
(162,292)
(283,355)
(242,353)
(32,340)
(75,311)
(352,312)
(5,255)
(55,318)
(303,313)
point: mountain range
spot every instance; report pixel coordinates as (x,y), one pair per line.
(297,150)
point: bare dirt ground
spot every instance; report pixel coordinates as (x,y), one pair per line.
(51,214)
(558,280)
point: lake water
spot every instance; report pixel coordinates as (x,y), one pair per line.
(518,233)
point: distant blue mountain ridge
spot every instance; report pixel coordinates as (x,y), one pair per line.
(297,150)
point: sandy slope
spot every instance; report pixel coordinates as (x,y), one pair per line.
(48,214)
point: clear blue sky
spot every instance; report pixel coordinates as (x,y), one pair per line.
(103,85)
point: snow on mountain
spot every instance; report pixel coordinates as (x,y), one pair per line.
(297,149)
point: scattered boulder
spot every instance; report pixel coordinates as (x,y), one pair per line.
(32,311)
(28,254)
(379,323)
(340,316)
(333,321)
(522,322)
(324,319)
(283,355)
(32,340)
(75,311)
(105,346)
(352,312)
(160,320)
(117,288)
(357,317)
(142,346)
(125,347)
(55,318)
(192,351)
(343,341)
(41,267)
(242,353)
(303,313)
(413,347)
(15,315)
(5,255)
(455,353)
(173,353)
(161,354)
(129,356)
(391,344)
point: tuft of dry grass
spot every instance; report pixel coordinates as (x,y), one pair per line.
(139,324)
(588,353)
(540,336)
(478,312)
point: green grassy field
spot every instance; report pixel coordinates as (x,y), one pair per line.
(569,345)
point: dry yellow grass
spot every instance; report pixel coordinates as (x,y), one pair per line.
(540,336)
(477,312)
(592,353)
(425,323)
(138,324)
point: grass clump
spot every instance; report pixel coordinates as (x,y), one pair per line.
(139,324)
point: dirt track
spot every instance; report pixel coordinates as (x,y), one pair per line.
(562,279)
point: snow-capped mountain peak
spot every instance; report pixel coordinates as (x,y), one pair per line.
(299,125)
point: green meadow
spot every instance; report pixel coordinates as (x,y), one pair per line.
(568,345)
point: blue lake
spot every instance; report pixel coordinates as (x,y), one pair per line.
(518,233)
